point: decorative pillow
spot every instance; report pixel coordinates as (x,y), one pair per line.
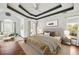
(47,34)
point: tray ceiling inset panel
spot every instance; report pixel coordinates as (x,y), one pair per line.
(42,8)
(41,13)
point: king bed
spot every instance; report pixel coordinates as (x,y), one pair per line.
(42,45)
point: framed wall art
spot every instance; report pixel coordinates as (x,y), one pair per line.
(52,23)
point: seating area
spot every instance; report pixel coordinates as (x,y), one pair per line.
(69,40)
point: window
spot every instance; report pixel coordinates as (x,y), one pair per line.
(73,28)
(7,26)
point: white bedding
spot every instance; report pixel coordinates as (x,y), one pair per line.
(51,42)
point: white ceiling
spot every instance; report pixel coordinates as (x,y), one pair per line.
(41,7)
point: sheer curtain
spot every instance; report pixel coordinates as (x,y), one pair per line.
(7,27)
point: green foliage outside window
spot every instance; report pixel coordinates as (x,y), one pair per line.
(73,28)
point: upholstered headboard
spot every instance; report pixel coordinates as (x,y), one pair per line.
(53,31)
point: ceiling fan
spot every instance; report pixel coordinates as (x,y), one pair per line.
(36,6)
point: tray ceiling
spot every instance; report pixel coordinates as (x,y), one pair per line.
(43,9)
